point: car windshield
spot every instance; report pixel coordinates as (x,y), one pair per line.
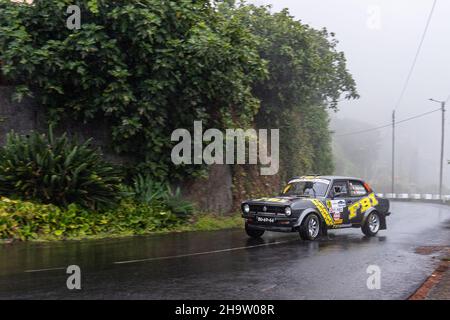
(306,188)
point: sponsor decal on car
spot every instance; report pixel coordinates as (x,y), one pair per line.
(363,205)
(323,211)
(310,180)
(336,206)
(278,200)
(337,218)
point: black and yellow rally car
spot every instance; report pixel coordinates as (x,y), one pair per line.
(311,205)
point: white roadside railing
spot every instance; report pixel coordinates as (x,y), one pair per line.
(415,196)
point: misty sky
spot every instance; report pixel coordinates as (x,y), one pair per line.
(380,53)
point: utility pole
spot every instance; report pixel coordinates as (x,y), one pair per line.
(393,154)
(441,173)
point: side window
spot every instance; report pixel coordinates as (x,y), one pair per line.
(339,189)
(357,189)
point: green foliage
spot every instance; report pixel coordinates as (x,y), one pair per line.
(140,218)
(176,203)
(312,153)
(316,123)
(146,191)
(147,67)
(24,220)
(56,170)
(307,76)
(209,222)
(304,66)
(28,220)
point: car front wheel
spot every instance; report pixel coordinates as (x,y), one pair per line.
(253,233)
(372,224)
(310,227)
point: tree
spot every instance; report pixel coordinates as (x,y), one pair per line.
(307,77)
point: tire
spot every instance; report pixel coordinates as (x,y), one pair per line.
(372,224)
(253,233)
(310,227)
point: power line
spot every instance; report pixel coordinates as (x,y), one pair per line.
(405,86)
(418,116)
(390,124)
(364,131)
(411,70)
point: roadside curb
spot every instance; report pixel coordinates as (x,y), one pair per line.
(423,292)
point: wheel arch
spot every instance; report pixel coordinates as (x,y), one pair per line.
(306,213)
(382,217)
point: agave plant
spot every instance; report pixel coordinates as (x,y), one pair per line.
(176,203)
(148,191)
(56,170)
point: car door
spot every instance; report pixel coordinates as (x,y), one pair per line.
(357,191)
(337,202)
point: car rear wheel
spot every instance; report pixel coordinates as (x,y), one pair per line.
(310,227)
(253,233)
(372,224)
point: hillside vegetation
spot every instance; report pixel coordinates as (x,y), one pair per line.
(149,67)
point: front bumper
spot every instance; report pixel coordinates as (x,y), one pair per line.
(281,222)
(271,228)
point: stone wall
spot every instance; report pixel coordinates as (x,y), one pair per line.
(20,117)
(26,116)
(213,194)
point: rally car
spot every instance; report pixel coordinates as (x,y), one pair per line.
(311,205)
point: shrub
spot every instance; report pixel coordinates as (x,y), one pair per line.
(146,191)
(58,171)
(176,203)
(24,220)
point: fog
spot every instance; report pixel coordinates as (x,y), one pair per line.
(380,39)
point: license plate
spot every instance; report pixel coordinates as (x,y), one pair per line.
(265,220)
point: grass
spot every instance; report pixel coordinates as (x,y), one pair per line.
(211,222)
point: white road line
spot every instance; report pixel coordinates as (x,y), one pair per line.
(203,253)
(269,288)
(42,270)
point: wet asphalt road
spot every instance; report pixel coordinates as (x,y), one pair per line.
(228,265)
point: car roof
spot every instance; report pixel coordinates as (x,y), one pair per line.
(329,177)
(340,178)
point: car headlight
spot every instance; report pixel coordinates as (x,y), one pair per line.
(288,211)
(246,208)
